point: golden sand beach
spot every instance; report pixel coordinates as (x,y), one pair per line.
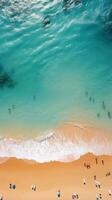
(50,177)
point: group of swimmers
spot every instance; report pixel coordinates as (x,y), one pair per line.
(103,105)
(11,108)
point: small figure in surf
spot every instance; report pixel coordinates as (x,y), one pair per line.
(86,93)
(98,115)
(109,115)
(90,99)
(46,21)
(103,105)
(13,107)
(9,110)
(34,97)
(93,100)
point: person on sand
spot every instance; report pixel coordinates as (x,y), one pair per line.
(100,196)
(84,164)
(108,174)
(96,160)
(110,193)
(1,197)
(102,162)
(33,187)
(84,181)
(14,187)
(58,194)
(95,177)
(98,184)
(75,196)
(88,166)
(97,198)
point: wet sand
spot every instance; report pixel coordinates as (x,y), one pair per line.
(54,176)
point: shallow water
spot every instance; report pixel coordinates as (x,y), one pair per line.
(58,69)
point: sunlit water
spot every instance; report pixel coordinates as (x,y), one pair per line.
(62,72)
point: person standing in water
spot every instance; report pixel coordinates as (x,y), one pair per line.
(103,105)
(9,110)
(13,106)
(109,115)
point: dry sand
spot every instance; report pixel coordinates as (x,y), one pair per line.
(54,176)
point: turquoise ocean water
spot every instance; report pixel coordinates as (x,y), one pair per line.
(55,73)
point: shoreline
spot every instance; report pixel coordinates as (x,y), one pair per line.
(66,143)
(31,161)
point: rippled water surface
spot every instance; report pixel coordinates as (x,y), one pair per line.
(57,72)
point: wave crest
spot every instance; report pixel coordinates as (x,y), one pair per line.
(65,144)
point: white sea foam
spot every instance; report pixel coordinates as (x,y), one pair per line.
(56,147)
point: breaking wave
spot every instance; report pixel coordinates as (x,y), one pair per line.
(66,144)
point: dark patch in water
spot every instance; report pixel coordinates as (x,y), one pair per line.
(1,68)
(106,20)
(98,115)
(103,105)
(9,110)
(109,115)
(46,21)
(13,107)
(5,79)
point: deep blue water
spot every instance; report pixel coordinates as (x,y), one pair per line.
(61,72)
